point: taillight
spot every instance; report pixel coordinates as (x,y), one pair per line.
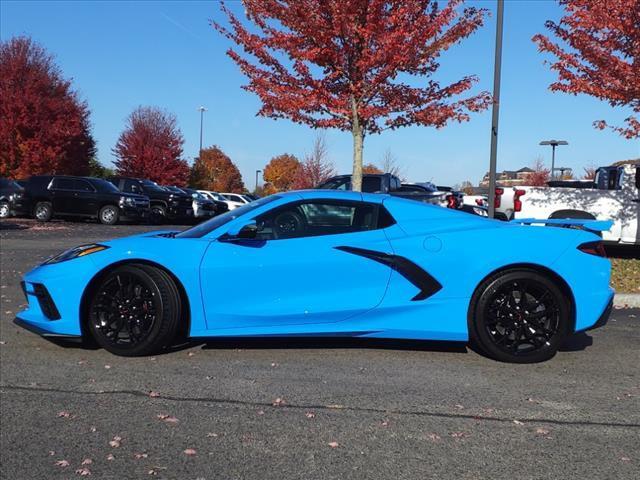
(451,201)
(593,248)
(517,203)
(479,202)
(498,197)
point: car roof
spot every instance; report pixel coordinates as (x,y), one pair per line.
(337,195)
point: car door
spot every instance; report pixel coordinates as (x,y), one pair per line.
(300,269)
(62,194)
(85,201)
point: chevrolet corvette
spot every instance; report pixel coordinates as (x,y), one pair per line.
(330,263)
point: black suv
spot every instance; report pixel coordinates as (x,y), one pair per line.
(57,195)
(164,203)
(11,199)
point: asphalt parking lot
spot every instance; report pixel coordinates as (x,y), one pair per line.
(295,408)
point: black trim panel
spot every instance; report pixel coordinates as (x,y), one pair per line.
(414,273)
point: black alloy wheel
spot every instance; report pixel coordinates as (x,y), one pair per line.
(520,316)
(134,310)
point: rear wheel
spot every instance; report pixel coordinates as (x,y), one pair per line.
(158,214)
(108,215)
(519,316)
(4,209)
(43,211)
(134,310)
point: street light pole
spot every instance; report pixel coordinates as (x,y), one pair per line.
(257,172)
(201,109)
(497,66)
(554,144)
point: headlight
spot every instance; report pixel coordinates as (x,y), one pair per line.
(128,201)
(76,252)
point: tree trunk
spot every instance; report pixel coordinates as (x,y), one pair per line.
(358,141)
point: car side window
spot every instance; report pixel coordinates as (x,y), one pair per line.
(318,217)
(371,184)
(131,187)
(82,186)
(63,184)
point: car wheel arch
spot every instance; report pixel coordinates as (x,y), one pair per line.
(541,269)
(185,325)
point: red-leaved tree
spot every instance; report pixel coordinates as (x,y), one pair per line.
(315,168)
(346,64)
(213,170)
(540,175)
(280,173)
(603,54)
(44,126)
(151,147)
(371,169)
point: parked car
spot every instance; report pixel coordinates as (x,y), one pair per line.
(235,200)
(339,264)
(47,196)
(205,207)
(165,205)
(12,200)
(388,183)
(616,198)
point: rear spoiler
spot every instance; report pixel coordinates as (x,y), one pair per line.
(584,224)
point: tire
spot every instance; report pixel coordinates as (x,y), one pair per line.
(5,211)
(504,327)
(158,214)
(108,215)
(43,212)
(113,320)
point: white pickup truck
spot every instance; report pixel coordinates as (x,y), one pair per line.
(615,197)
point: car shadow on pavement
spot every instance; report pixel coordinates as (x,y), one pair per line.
(328,343)
(9,225)
(577,342)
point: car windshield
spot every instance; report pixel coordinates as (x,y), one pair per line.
(153,186)
(6,183)
(104,186)
(210,225)
(340,183)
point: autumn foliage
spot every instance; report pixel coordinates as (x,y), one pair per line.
(151,147)
(348,64)
(370,168)
(540,175)
(44,126)
(215,171)
(280,173)
(600,56)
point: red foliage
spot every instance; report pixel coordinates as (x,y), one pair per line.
(151,147)
(590,172)
(540,175)
(280,173)
(215,171)
(44,126)
(338,64)
(315,168)
(371,168)
(603,58)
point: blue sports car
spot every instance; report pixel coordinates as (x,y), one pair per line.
(330,263)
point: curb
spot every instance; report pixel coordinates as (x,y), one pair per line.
(626,300)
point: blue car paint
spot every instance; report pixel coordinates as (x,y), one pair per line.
(306,286)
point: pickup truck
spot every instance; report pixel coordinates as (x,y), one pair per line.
(390,184)
(615,197)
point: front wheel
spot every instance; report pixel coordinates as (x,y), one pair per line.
(158,214)
(519,316)
(135,310)
(108,215)
(4,210)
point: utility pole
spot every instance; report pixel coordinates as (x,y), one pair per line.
(497,66)
(554,144)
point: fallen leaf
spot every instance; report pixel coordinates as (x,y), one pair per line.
(52,452)
(190,451)
(93,429)
(107,367)
(542,431)
(310,415)
(625,459)
(274,364)
(83,472)
(62,463)
(458,406)
(518,422)
(211,434)
(191,354)
(87,461)
(385,423)
(260,412)
(333,444)
(459,434)
(278,402)
(138,456)
(152,472)
(167,418)
(115,443)
(110,457)
(153,394)
(434,437)
(64,414)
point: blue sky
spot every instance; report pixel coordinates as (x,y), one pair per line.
(124,54)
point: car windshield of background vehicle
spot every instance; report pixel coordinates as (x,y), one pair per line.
(149,185)
(104,186)
(216,222)
(337,184)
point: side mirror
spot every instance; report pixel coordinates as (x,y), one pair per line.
(245,232)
